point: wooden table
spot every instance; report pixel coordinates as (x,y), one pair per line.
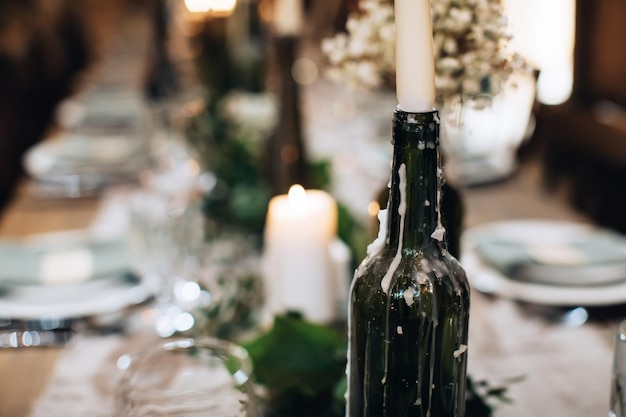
(112,27)
(25,371)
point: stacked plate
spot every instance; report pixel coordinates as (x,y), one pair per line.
(547,262)
(105,143)
(65,276)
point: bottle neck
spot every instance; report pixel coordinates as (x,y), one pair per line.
(413,208)
(288,163)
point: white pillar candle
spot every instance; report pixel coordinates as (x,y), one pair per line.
(288,17)
(340,258)
(298,271)
(415,62)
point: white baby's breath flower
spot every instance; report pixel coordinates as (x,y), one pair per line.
(471,86)
(370,5)
(470,41)
(335,48)
(387,34)
(462,15)
(356,47)
(449,45)
(438,8)
(366,73)
(352,24)
(449,64)
(446,83)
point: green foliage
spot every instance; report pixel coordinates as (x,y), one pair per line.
(239,200)
(320,173)
(239,300)
(475,404)
(353,234)
(483,397)
(297,356)
(302,365)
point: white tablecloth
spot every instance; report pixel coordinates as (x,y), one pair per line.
(566,370)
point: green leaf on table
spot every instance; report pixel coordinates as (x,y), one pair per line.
(483,397)
(302,366)
(296,355)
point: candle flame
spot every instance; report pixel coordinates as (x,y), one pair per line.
(297,197)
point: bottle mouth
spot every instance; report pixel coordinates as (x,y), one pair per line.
(416,117)
(415,128)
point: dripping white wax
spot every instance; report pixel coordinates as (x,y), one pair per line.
(440,230)
(386,281)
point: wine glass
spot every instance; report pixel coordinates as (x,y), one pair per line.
(167,230)
(187,378)
(165,244)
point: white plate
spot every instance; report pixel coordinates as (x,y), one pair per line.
(29,298)
(488,279)
(60,258)
(73,165)
(71,301)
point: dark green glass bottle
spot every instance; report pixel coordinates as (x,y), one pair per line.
(452,212)
(287,159)
(409,301)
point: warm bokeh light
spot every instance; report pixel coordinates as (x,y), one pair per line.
(304,71)
(191,168)
(297,197)
(198,6)
(373,208)
(289,154)
(266,10)
(543,32)
(218,7)
(555,83)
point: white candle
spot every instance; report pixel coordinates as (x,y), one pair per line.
(288,17)
(297,267)
(415,62)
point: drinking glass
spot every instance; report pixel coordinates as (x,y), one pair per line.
(165,242)
(618,383)
(187,378)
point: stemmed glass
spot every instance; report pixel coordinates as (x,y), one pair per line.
(165,243)
(166,220)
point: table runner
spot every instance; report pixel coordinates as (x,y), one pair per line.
(86,376)
(566,370)
(83,380)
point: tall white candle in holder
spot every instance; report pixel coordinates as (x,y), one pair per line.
(415,61)
(297,268)
(288,17)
